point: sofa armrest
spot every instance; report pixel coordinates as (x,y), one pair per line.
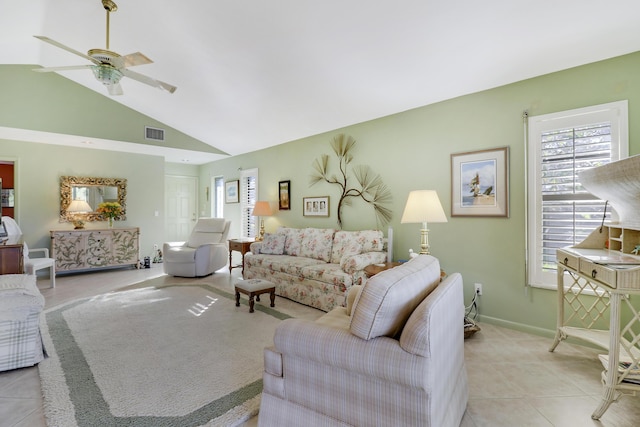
(353,263)
(254,248)
(380,357)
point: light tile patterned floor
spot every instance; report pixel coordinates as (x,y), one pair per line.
(513,379)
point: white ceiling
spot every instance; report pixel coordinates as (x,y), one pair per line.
(253,74)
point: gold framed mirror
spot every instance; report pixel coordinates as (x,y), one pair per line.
(94,191)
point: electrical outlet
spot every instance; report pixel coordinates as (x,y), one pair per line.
(478,288)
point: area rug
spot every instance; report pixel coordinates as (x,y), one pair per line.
(175,355)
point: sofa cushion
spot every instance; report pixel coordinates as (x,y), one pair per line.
(273,244)
(388,298)
(293,240)
(317,243)
(327,273)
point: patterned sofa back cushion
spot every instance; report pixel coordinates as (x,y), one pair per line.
(317,243)
(388,298)
(292,241)
(355,242)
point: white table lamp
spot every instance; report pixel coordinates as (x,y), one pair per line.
(76,209)
(423,206)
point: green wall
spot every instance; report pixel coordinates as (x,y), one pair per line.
(39,167)
(411,150)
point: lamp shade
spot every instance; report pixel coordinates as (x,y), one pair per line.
(423,206)
(78,206)
(262,209)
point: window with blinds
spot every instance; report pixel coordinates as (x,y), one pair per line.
(248,197)
(560,212)
(569,212)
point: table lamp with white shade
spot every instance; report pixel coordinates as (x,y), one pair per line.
(261,209)
(77,208)
(423,206)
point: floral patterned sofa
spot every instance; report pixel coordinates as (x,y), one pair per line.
(314,266)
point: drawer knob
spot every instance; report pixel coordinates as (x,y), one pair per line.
(566,261)
(594,273)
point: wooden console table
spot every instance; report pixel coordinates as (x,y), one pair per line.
(77,250)
(240,245)
(11,255)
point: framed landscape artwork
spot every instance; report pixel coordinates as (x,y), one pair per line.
(480,183)
(315,206)
(284,196)
(231,193)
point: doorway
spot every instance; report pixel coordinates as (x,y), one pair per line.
(180,206)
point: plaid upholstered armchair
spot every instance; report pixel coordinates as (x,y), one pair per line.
(393,356)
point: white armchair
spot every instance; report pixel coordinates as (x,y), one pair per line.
(206,250)
(32,264)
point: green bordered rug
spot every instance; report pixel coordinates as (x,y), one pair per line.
(175,355)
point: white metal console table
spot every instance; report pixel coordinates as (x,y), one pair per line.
(604,277)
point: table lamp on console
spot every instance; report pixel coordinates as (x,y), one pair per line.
(78,210)
(423,206)
(261,209)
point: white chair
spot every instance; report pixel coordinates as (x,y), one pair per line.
(32,265)
(206,250)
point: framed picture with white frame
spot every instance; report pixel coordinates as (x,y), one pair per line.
(231,191)
(480,183)
(315,206)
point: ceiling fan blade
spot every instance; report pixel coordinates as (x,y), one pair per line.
(136,58)
(148,80)
(67,48)
(114,89)
(66,68)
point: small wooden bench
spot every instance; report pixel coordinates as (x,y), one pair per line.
(255,288)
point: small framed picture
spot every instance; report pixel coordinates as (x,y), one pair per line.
(8,198)
(480,183)
(284,187)
(231,193)
(315,206)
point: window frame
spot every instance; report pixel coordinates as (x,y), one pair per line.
(614,112)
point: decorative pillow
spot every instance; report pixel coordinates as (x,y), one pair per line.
(273,244)
(316,243)
(388,298)
(343,242)
(370,240)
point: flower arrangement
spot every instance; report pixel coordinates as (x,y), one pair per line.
(110,210)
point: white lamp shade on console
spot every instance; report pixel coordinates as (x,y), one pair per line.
(423,206)
(78,207)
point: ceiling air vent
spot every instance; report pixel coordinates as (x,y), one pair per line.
(153,134)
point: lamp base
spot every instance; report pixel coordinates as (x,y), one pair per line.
(424,240)
(260,236)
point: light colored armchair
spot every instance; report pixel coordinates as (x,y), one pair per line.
(394,357)
(206,250)
(32,264)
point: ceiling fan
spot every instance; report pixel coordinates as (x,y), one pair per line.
(109,67)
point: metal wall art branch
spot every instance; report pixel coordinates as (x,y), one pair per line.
(370,187)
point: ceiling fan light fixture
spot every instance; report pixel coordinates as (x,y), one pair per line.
(107,74)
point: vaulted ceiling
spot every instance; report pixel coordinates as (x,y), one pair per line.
(253,74)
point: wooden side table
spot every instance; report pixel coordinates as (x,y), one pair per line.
(240,245)
(373,269)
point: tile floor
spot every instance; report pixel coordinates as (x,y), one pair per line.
(513,379)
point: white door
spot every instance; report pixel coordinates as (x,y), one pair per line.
(180,206)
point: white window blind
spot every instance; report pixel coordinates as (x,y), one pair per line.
(560,211)
(248,197)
